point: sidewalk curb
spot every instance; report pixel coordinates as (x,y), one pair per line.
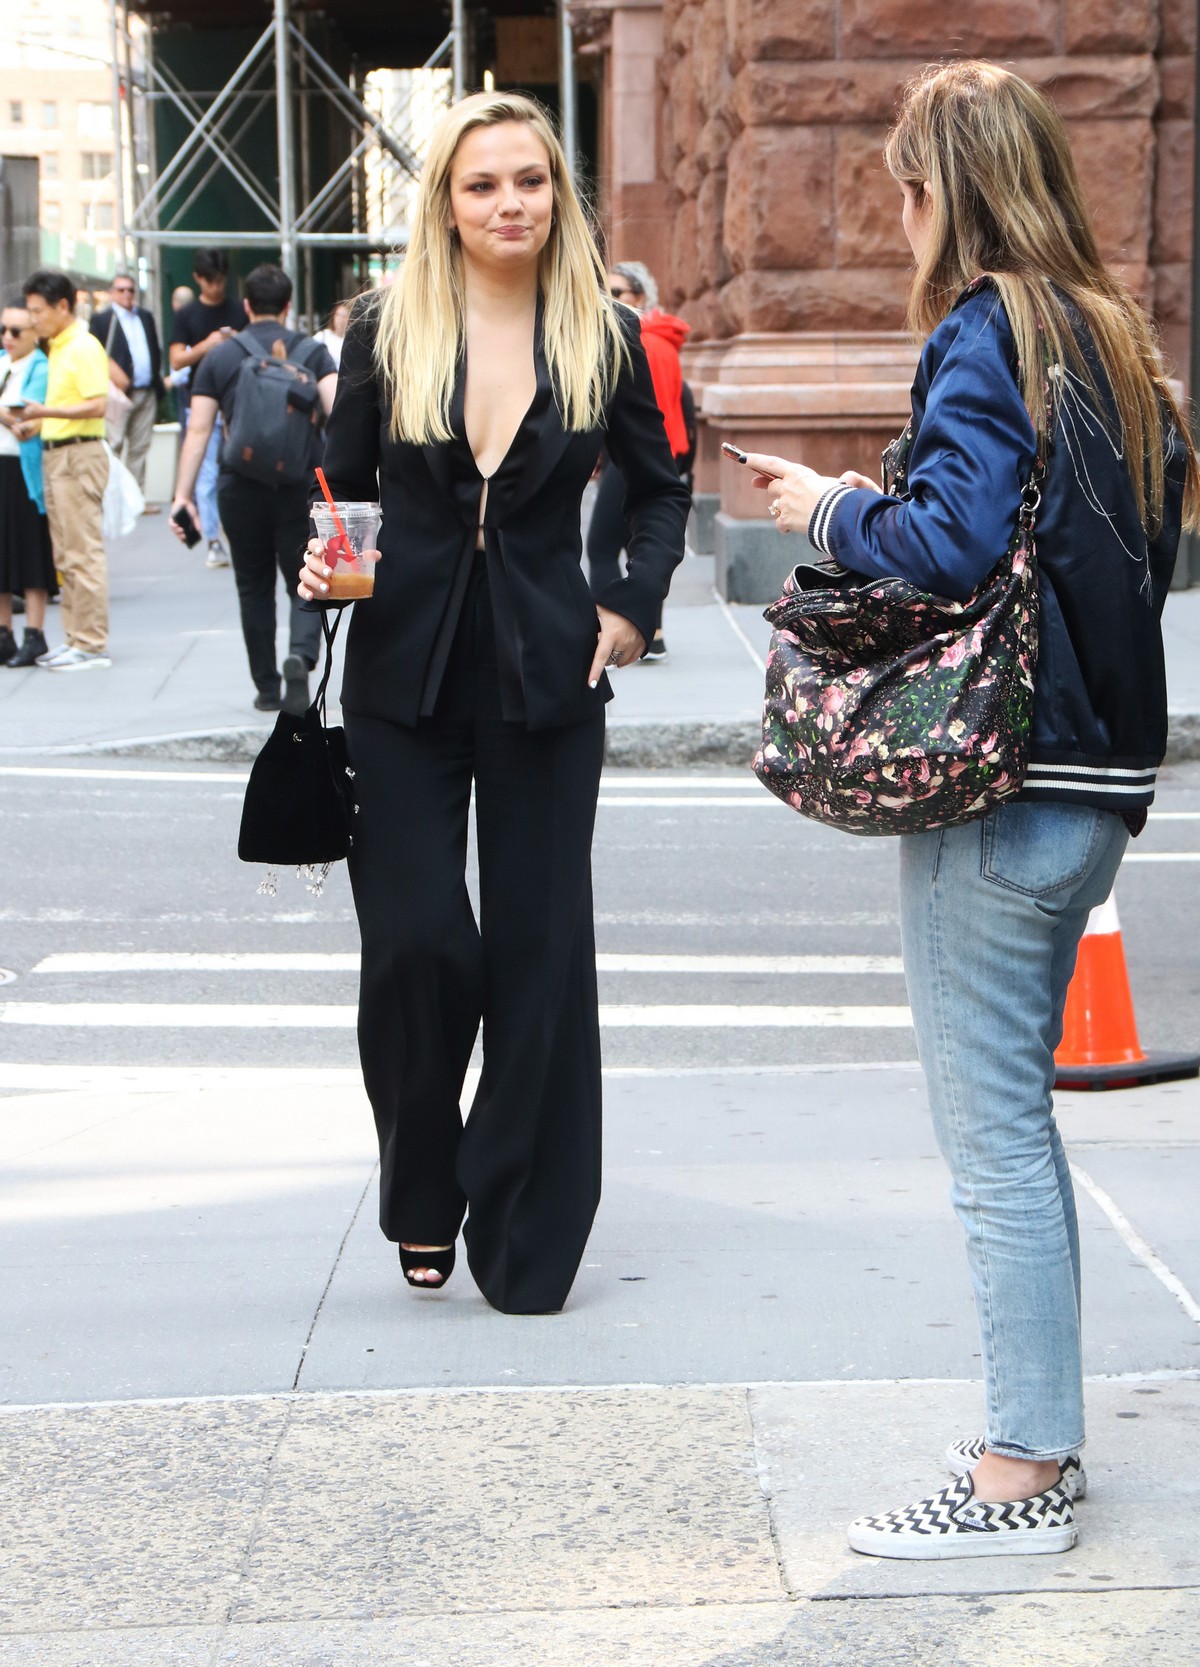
(638,744)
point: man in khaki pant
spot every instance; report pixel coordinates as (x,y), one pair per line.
(74,468)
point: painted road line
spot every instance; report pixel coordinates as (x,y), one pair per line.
(638,801)
(666,781)
(258,1082)
(147,1015)
(147,961)
(66,773)
(777,966)
(677,782)
(1144,1252)
(1160,856)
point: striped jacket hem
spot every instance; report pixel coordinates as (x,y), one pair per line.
(1077,781)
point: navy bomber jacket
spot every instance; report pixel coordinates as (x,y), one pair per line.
(1100,701)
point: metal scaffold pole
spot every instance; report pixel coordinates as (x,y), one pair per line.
(119,146)
(283,129)
(458,31)
(566,87)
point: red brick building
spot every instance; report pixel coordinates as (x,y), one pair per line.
(740,158)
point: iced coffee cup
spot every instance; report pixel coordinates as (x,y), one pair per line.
(352,551)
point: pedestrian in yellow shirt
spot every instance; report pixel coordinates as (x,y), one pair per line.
(74,468)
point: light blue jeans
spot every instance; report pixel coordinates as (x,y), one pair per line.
(991,913)
(206,486)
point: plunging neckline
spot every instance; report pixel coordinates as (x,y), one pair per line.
(516,433)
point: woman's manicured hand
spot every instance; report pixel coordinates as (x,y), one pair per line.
(792,490)
(619,644)
(314,573)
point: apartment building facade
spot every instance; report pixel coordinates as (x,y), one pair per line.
(56,105)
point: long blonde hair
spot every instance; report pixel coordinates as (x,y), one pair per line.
(420,334)
(1006,203)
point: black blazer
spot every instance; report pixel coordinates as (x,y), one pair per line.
(545,615)
(120,354)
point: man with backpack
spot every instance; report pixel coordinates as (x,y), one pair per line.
(273,388)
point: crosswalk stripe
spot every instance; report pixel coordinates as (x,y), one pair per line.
(79,773)
(249,961)
(638,801)
(314,1016)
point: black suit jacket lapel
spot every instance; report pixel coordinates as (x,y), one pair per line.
(437,452)
(548,441)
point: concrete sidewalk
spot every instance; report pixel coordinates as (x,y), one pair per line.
(179,686)
(300,1492)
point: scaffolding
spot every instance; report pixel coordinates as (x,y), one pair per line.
(297,212)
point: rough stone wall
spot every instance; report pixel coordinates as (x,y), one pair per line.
(776,110)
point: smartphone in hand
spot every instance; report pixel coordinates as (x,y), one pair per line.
(191,532)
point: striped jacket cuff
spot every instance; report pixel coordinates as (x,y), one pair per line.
(818,526)
(1095,780)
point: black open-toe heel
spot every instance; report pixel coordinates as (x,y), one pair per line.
(437,1261)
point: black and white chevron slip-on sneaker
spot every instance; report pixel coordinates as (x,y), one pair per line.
(956,1524)
(964,1455)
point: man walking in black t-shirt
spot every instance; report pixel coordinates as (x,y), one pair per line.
(266,524)
(198,327)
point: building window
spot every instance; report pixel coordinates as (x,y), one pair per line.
(50,113)
(50,164)
(95,120)
(16,112)
(95,164)
(52,215)
(74,26)
(103,218)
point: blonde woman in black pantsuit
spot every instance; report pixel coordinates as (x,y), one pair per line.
(479,389)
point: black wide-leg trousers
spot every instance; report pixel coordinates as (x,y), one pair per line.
(526,1165)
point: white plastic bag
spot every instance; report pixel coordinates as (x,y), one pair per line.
(123,500)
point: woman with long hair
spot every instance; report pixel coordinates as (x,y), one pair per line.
(1032,349)
(473,395)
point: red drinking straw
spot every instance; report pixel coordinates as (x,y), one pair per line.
(337,520)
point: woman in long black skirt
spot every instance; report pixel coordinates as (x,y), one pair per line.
(26,561)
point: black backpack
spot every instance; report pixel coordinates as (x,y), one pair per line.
(276,413)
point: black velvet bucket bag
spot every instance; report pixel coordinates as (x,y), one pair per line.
(299,806)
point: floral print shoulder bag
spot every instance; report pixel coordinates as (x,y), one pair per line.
(889,710)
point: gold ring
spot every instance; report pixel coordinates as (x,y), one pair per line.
(775,510)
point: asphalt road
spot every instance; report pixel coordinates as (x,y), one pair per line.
(112,860)
(174,1143)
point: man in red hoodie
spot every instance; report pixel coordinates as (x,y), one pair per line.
(662,336)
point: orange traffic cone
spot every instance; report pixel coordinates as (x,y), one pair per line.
(1100,1047)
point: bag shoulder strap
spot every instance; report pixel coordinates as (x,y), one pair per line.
(329,632)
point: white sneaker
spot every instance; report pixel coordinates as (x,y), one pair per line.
(76,659)
(52,654)
(217,555)
(954,1523)
(965,1454)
